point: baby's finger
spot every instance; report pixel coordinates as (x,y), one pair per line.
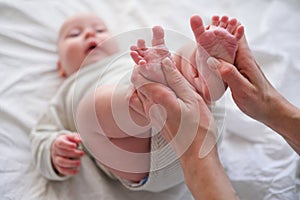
(74,153)
(64,143)
(67,171)
(74,138)
(66,166)
(66,162)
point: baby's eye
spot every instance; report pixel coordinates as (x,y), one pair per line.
(74,33)
(100,30)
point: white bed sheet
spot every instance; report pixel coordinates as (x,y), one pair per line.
(259,163)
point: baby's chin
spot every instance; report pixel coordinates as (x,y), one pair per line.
(92,58)
(96,55)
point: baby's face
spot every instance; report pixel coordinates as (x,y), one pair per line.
(78,43)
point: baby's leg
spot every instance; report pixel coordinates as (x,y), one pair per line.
(149,58)
(219,40)
(114,133)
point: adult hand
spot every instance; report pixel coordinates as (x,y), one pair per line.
(181,113)
(65,155)
(250,89)
(187,121)
(256,97)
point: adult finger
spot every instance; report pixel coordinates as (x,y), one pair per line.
(136,104)
(229,74)
(151,93)
(177,82)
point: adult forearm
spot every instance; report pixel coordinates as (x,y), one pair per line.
(285,120)
(206,177)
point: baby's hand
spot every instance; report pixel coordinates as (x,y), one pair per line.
(65,155)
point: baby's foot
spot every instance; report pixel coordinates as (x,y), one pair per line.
(219,40)
(149,58)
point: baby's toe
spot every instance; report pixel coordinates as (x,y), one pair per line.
(223,22)
(232,24)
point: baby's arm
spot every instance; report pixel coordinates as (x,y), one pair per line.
(47,139)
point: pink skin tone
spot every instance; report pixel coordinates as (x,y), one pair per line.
(256,97)
(78,43)
(205,177)
(77,47)
(150,58)
(220,40)
(66,155)
(132,139)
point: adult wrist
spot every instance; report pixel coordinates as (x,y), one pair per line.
(283,117)
(191,162)
(206,177)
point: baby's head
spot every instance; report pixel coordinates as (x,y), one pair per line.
(78,42)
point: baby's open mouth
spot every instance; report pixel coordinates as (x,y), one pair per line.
(92,45)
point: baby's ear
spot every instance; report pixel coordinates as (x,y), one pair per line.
(60,69)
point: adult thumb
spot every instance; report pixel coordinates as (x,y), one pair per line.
(229,73)
(176,81)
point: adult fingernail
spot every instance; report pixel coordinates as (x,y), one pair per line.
(168,65)
(213,63)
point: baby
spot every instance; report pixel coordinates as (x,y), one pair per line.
(132,154)
(125,127)
(79,36)
(86,47)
